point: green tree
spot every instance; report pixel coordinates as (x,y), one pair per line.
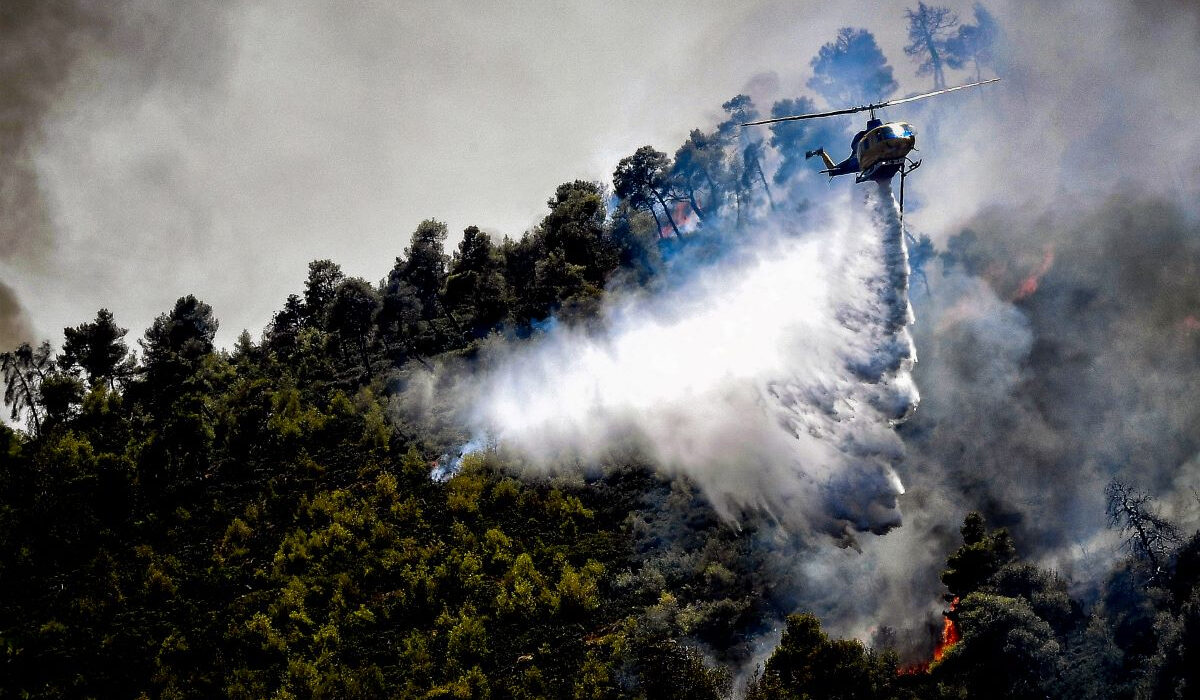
(476,294)
(352,315)
(697,168)
(576,226)
(98,348)
(746,167)
(399,317)
(411,307)
(283,333)
(424,265)
(1006,650)
(643,180)
(324,276)
(808,665)
(184,335)
(981,555)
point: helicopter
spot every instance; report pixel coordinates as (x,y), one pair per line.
(879,151)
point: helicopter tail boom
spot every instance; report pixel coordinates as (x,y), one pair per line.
(829,164)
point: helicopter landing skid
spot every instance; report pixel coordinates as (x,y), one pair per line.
(904,172)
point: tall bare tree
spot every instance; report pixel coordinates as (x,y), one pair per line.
(929,29)
(1150,537)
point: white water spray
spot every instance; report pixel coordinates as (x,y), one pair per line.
(772,380)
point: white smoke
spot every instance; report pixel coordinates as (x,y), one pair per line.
(772,379)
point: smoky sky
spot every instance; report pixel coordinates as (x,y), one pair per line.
(154,150)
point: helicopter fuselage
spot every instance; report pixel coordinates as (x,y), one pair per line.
(882,148)
(879,151)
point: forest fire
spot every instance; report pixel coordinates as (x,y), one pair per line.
(950,636)
(1030,284)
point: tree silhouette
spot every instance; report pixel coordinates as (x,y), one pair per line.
(352,313)
(929,29)
(851,70)
(475,292)
(698,167)
(324,276)
(1150,537)
(747,144)
(974,43)
(643,180)
(24,371)
(98,348)
(792,140)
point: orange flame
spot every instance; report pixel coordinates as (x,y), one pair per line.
(950,637)
(681,214)
(950,634)
(1030,283)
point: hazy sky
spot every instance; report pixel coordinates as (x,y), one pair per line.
(215,148)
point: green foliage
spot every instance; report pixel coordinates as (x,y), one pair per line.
(808,665)
(643,181)
(257,525)
(98,348)
(981,555)
(324,276)
(1007,650)
(351,315)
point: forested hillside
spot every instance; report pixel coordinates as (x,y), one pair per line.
(192,522)
(180,520)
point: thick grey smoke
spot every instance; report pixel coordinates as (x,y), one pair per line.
(772,379)
(35,55)
(1058,328)
(1059,350)
(14,327)
(68,70)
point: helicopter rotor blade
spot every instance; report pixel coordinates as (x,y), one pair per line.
(834,113)
(877,105)
(935,92)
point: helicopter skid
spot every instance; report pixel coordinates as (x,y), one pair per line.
(880,171)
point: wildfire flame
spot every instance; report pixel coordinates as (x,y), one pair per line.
(1030,283)
(950,637)
(681,213)
(950,634)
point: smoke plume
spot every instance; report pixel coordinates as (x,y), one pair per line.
(14,327)
(772,378)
